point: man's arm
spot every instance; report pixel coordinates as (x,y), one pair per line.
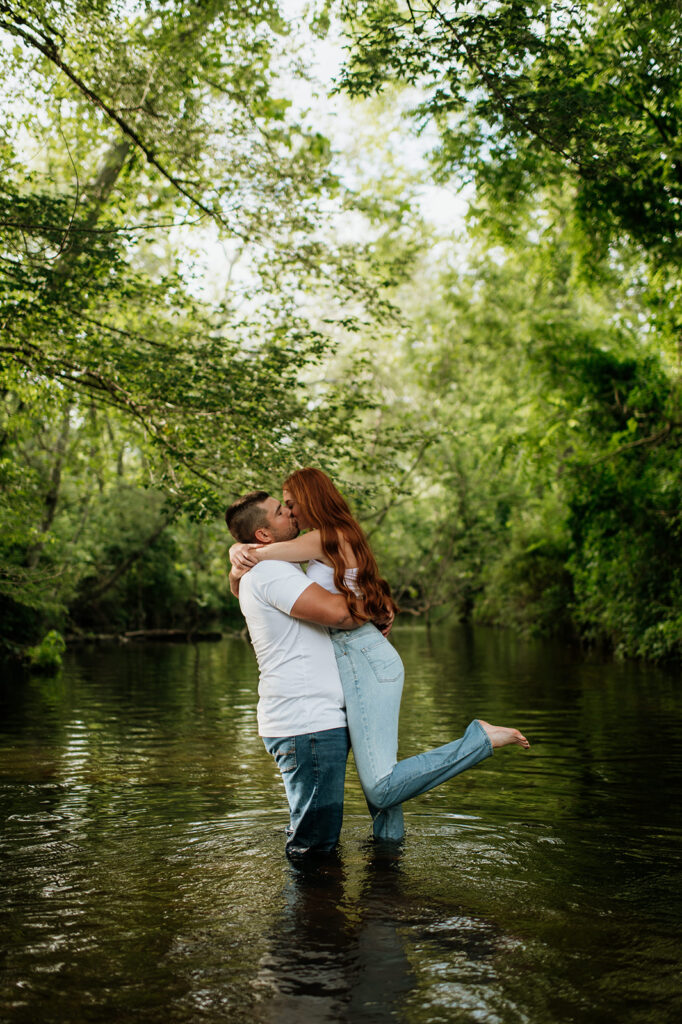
(233,579)
(317,605)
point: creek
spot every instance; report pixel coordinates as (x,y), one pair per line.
(142,849)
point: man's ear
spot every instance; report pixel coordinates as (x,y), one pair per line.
(263,535)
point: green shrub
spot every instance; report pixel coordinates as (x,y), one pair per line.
(46,657)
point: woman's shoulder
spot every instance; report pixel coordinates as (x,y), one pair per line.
(346,551)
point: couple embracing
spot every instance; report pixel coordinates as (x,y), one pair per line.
(329,677)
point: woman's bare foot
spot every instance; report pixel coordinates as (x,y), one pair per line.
(499,736)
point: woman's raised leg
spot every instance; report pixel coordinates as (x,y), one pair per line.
(372,676)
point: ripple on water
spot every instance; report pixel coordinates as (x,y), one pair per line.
(142,851)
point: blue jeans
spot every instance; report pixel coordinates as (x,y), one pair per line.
(313,769)
(372,676)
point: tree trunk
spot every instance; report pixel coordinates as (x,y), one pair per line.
(95,196)
(52,496)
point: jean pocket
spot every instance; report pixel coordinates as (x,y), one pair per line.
(285,756)
(384,661)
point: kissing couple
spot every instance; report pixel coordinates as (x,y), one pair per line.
(329,678)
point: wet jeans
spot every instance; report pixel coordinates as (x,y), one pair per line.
(372,677)
(313,769)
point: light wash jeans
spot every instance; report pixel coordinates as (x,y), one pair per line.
(372,676)
(313,769)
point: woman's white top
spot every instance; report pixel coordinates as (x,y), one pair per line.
(323,574)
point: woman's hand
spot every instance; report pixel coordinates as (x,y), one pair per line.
(243,556)
(386,624)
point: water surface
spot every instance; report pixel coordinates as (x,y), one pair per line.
(143,874)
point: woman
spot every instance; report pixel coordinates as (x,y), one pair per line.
(340,559)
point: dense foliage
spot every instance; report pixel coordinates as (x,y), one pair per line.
(566,118)
(185,311)
(138,136)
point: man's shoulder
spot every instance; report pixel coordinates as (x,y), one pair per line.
(272,584)
(272,568)
(271,571)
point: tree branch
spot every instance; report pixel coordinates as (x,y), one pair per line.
(49,49)
(403,480)
(652,439)
(492,84)
(101,588)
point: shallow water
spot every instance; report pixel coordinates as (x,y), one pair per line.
(143,874)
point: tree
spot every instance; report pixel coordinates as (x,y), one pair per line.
(172,109)
(566,118)
(145,132)
(524,93)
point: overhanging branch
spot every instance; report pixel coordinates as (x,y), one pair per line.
(49,49)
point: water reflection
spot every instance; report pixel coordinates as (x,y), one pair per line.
(334,955)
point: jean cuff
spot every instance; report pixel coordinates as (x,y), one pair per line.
(485,736)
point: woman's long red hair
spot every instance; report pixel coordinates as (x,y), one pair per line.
(327,511)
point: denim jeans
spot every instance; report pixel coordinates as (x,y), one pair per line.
(372,676)
(313,769)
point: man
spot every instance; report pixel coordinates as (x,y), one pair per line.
(301,716)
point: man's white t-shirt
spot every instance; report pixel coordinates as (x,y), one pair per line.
(299,689)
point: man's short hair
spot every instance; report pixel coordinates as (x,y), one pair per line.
(246,515)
